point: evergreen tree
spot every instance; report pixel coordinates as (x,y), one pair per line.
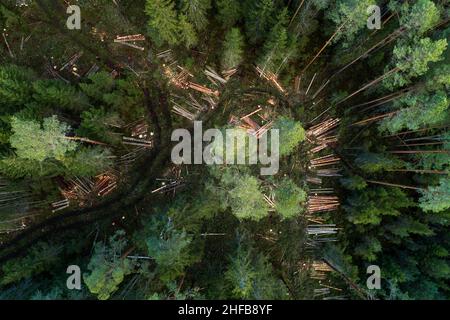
(259,19)
(187,33)
(35,142)
(289,198)
(163,21)
(232,53)
(170,249)
(196,12)
(108,267)
(291,134)
(229,12)
(436,198)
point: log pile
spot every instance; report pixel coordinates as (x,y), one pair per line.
(132,156)
(324,161)
(137,142)
(322,203)
(271,77)
(319,131)
(60,205)
(130,40)
(171,182)
(84,190)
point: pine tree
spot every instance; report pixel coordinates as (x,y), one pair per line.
(196,12)
(229,12)
(288,198)
(278,47)
(246,198)
(376,162)
(88,162)
(35,142)
(163,21)
(413,60)
(108,267)
(418,111)
(232,53)
(15,90)
(349,17)
(170,249)
(436,198)
(259,19)
(291,134)
(187,33)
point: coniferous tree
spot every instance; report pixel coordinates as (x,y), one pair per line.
(232,54)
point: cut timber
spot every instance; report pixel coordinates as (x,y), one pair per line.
(72,60)
(203,89)
(330,159)
(213,74)
(271,77)
(137,142)
(322,203)
(7,45)
(60,205)
(132,37)
(130,45)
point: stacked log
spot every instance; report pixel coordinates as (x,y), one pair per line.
(322,203)
(327,160)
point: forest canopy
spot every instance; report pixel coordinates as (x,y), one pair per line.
(363,155)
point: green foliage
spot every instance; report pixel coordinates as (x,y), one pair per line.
(291,134)
(99,84)
(108,267)
(35,142)
(232,53)
(196,12)
(250,276)
(187,34)
(246,199)
(97,124)
(57,94)
(229,12)
(418,111)
(88,162)
(170,249)
(279,47)
(436,198)
(39,258)
(162,21)
(259,17)
(353,183)
(376,162)
(351,16)
(413,60)
(370,206)
(419,16)
(288,198)
(15,90)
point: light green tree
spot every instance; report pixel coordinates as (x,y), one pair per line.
(196,12)
(232,53)
(35,142)
(163,21)
(288,198)
(107,267)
